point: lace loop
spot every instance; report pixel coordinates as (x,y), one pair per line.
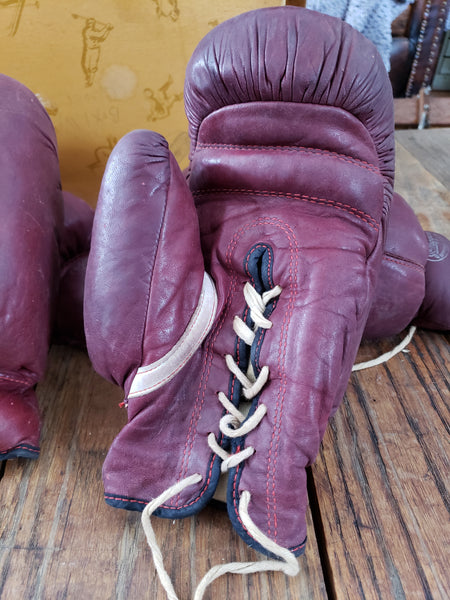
(383,358)
(235,424)
(288,564)
(243,331)
(251,423)
(258,303)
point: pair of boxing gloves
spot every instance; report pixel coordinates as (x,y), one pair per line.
(229,303)
(250,280)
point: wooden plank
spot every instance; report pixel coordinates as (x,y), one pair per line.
(58,538)
(431,148)
(381,478)
(429,198)
(296,3)
(408,111)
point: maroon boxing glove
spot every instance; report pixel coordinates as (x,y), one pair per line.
(74,250)
(40,233)
(291,168)
(292,164)
(414,281)
(148,306)
(32,217)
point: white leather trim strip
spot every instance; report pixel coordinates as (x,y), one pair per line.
(151,377)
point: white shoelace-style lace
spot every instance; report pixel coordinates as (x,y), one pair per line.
(383,358)
(236,424)
(233,424)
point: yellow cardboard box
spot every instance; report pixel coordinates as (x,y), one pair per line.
(107,67)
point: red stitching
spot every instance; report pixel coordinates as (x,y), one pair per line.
(313,199)
(15,380)
(405,263)
(124,498)
(24,447)
(269,269)
(192,432)
(128,499)
(270,471)
(276,433)
(295,548)
(300,149)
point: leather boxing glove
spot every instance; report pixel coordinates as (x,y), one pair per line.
(148,306)
(44,244)
(292,164)
(32,217)
(434,312)
(292,170)
(74,250)
(414,281)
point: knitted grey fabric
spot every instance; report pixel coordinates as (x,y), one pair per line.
(372,19)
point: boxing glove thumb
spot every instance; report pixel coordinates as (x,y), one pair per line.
(148,306)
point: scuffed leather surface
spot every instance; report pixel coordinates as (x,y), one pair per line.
(401,284)
(414,281)
(19,421)
(319,206)
(288,54)
(143,283)
(434,312)
(30,224)
(145,269)
(165,441)
(74,250)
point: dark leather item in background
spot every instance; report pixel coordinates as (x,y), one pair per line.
(414,282)
(74,250)
(33,244)
(415,49)
(434,312)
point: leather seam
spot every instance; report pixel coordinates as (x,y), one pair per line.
(151,273)
(271,469)
(15,380)
(303,197)
(200,399)
(21,447)
(405,263)
(299,149)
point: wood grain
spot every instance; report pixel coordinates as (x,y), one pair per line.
(378,526)
(431,148)
(381,479)
(408,111)
(59,539)
(382,474)
(429,198)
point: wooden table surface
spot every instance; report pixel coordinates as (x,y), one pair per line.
(378,525)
